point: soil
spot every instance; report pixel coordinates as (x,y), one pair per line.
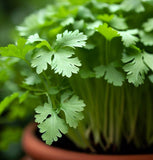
(67,144)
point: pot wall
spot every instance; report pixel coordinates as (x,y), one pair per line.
(38,150)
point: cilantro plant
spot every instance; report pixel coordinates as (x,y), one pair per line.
(89,66)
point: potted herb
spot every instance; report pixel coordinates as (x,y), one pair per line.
(89,64)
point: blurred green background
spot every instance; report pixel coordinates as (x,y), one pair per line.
(12,13)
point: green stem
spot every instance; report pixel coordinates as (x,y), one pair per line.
(105,129)
(107,52)
(111,116)
(49,99)
(120,114)
(45,76)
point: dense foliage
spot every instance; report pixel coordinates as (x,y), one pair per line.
(91,56)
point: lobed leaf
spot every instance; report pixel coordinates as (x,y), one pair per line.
(135,68)
(71,39)
(35,38)
(128,37)
(148,59)
(63,63)
(31,24)
(72,107)
(108,32)
(32,80)
(136,5)
(105,17)
(110,73)
(118,23)
(41,60)
(85,13)
(68,21)
(148,26)
(146,38)
(20,50)
(43,112)
(53,126)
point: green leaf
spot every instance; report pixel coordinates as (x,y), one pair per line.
(53,90)
(71,39)
(148,59)
(151,78)
(94,25)
(35,38)
(20,50)
(136,5)
(114,7)
(85,13)
(7,101)
(36,21)
(43,43)
(148,26)
(110,73)
(108,32)
(79,24)
(86,73)
(89,46)
(43,112)
(23,97)
(146,38)
(30,26)
(72,107)
(51,126)
(98,5)
(135,68)
(78,2)
(114,76)
(32,79)
(105,17)
(63,62)
(67,21)
(100,71)
(41,60)
(128,37)
(118,23)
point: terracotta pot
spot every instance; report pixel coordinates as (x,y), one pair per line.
(38,150)
(26,158)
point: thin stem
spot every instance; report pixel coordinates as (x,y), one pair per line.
(107,52)
(49,99)
(45,76)
(111,116)
(105,129)
(120,114)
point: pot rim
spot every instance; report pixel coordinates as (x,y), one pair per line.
(36,148)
